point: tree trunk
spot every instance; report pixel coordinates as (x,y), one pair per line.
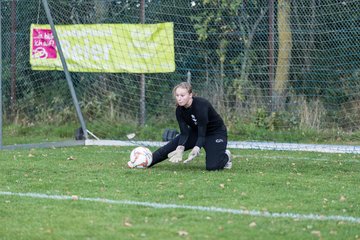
(284,54)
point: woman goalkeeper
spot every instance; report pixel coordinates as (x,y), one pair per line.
(200,127)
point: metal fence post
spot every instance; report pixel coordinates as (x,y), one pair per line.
(67,74)
(142,118)
(1,103)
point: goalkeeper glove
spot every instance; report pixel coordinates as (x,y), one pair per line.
(193,154)
(176,155)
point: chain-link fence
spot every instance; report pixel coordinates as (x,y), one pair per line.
(275,65)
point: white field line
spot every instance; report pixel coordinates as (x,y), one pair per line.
(326,148)
(254,213)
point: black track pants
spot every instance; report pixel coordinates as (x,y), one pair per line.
(215,146)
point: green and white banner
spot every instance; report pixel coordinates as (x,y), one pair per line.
(113,48)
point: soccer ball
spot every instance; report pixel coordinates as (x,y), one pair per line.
(140,157)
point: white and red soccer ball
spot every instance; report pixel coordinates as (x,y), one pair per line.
(140,157)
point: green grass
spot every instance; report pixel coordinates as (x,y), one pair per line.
(17,134)
(275,181)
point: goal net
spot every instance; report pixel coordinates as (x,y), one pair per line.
(286,72)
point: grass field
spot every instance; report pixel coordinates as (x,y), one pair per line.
(266,195)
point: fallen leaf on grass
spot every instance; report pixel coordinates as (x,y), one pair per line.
(127,223)
(253,224)
(316,233)
(183,233)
